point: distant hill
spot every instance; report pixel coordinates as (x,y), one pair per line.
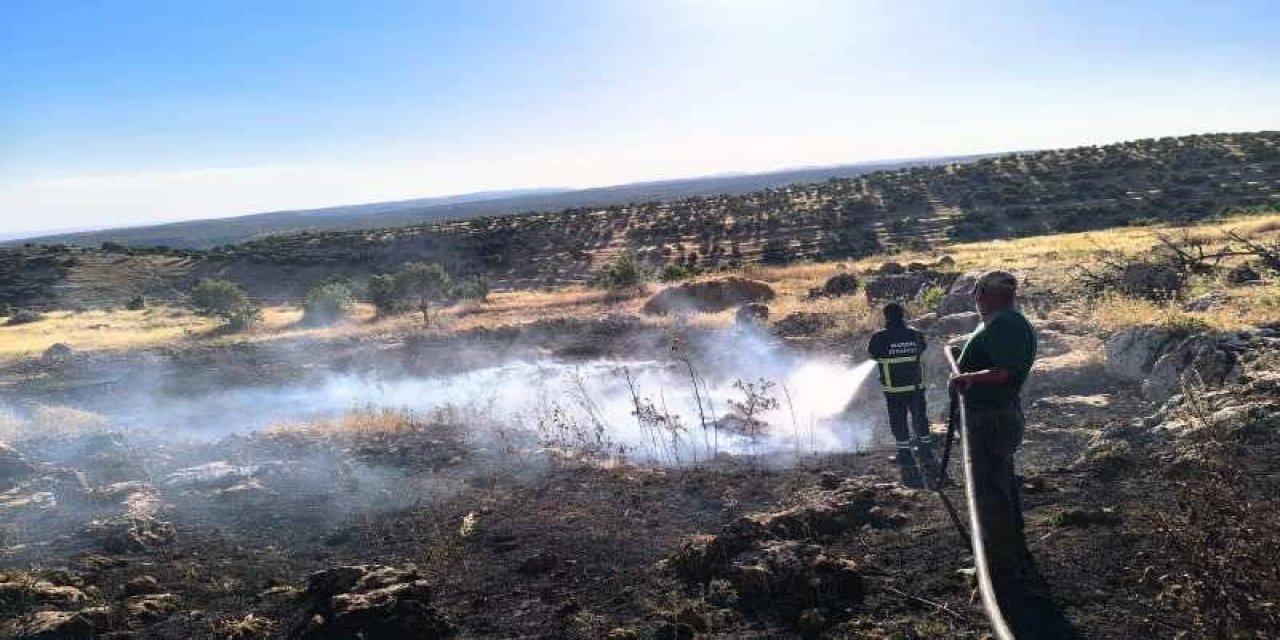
(918,207)
(205,234)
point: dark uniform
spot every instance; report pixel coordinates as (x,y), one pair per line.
(897,349)
(1005,340)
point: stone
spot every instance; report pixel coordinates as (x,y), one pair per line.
(1206,302)
(954,303)
(750,315)
(891,269)
(57,355)
(906,286)
(709,296)
(957,323)
(1151,280)
(1241,274)
(1205,359)
(1131,353)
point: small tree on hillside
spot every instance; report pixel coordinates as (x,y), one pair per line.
(328,303)
(419,285)
(5,309)
(212,298)
(225,300)
(382,293)
(623,273)
(473,288)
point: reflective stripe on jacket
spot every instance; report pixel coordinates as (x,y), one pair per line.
(897,351)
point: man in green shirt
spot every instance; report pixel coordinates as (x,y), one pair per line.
(993,367)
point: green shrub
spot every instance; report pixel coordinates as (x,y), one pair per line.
(328,303)
(932,296)
(242,318)
(136,303)
(420,285)
(227,301)
(212,298)
(675,272)
(382,294)
(622,273)
(5,309)
(473,288)
(24,316)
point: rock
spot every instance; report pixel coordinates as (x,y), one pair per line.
(906,286)
(965,283)
(925,322)
(916,266)
(1206,302)
(1151,280)
(58,355)
(49,625)
(141,586)
(957,323)
(708,296)
(954,303)
(1132,353)
(1241,274)
(804,323)
(751,315)
(891,269)
(841,284)
(1198,360)
(945,263)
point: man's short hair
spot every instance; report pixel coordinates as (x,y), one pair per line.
(894,311)
(996,282)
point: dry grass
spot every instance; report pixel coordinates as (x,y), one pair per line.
(372,421)
(50,421)
(1045,261)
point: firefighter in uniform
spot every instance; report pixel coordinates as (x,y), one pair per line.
(897,350)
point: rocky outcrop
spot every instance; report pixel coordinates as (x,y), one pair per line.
(709,296)
(1133,352)
(956,324)
(906,286)
(1163,360)
(1207,359)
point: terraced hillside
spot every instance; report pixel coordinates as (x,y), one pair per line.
(1167,179)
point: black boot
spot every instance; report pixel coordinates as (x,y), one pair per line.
(907,468)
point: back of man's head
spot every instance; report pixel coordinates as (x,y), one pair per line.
(1001,283)
(894,314)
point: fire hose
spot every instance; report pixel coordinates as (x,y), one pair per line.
(957,420)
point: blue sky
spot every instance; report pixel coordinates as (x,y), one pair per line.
(124,112)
